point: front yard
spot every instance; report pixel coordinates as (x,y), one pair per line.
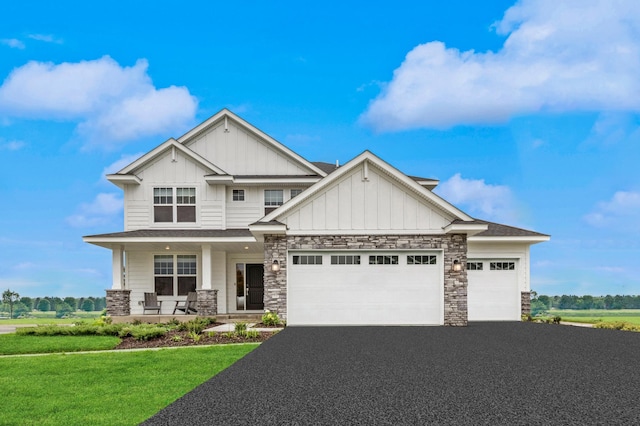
(112,388)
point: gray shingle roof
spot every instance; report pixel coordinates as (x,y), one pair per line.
(499,230)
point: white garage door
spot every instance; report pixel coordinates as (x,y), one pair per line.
(364,288)
(492,293)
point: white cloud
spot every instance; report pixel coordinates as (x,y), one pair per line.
(485,201)
(13,43)
(111,103)
(47,38)
(102,210)
(621,212)
(12,145)
(559,56)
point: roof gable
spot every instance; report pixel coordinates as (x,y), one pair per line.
(366,194)
(242,149)
(162,150)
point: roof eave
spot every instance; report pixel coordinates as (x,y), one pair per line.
(469,229)
(533,239)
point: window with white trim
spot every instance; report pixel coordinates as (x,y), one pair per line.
(167,209)
(238,195)
(502,266)
(474,266)
(175,274)
(272,199)
(307,260)
(421,260)
(346,259)
(383,260)
(295,192)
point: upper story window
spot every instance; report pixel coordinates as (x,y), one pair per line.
(167,209)
(238,195)
(295,192)
(272,199)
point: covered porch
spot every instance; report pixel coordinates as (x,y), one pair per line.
(224,267)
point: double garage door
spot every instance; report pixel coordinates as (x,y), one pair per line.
(365,288)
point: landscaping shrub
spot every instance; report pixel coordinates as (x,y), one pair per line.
(196,325)
(240,327)
(270,318)
(618,325)
(557,319)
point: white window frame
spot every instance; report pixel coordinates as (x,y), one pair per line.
(175,273)
(240,195)
(276,203)
(297,192)
(175,204)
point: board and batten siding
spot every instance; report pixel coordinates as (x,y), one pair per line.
(183,172)
(377,204)
(239,152)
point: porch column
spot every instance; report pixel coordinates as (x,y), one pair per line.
(206,267)
(117,254)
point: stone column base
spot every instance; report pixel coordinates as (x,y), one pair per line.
(119,302)
(525,302)
(207,304)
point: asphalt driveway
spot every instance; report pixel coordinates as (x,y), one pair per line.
(484,374)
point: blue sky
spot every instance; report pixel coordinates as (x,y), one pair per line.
(528,112)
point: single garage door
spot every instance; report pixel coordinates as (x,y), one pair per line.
(492,293)
(364,288)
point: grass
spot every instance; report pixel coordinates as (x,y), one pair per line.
(113,388)
(40,318)
(12,344)
(592,316)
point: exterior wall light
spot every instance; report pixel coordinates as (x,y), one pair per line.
(167,248)
(275,266)
(457,266)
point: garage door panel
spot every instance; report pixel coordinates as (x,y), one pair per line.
(493,295)
(364,294)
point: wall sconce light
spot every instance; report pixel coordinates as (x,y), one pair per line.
(275,266)
(457,266)
(167,248)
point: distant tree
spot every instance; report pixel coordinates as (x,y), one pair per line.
(587,302)
(44,305)
(537,307)
(28,302)
(566,302)
(71,301)
(21,309)
(598,303)
(63,309)
(608,301)
(545,300)
(10,298)
(100,303)
(87,305)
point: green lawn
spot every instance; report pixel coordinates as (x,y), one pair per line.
(12,344)
(113,388)
(592,316)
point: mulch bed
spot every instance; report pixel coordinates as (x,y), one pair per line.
(171,340)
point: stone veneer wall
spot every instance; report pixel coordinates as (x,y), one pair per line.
(119,302)
(207,303)
(453,246)
(525,302)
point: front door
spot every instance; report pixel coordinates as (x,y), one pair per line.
(255,286)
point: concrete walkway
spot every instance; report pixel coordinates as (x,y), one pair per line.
(231,327)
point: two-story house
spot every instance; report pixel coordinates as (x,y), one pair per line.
(231,213)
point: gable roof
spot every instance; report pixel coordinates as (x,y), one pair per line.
(225,115)
(161,150)
(499,231)
(364,158)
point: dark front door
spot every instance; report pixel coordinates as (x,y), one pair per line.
(255,286)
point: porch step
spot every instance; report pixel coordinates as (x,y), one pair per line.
(229,318)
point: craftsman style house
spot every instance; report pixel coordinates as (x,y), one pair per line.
(232,214)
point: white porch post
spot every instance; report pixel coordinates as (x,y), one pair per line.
(117,254)
(206,267)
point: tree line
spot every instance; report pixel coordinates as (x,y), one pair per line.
(16,306)
(543,302)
